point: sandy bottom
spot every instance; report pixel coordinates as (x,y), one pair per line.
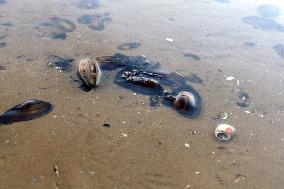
(144,147)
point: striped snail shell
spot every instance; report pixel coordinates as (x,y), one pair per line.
(184,101)
(89,72)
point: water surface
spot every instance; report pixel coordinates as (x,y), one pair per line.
(110,137)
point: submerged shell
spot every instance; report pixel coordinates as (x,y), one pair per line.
(143,81)
(224,132)
(89,71)
(25,111)
(184,101)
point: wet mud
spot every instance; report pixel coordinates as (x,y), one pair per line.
(2,2)
(264,23)
(88,4)
(279,48)
(131,131)
(223,1)
(250,44)
(56,28)
(2,67)
(192,56)
(129,46)
(268,10)
(59,63)
(95,22)
(3,44)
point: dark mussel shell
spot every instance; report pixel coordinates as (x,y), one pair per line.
(140,83)
(185,100)
(25,111)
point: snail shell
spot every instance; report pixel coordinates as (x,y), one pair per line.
(184,101)
(224,132)
(89,71)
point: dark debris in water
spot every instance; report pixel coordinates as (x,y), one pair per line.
(155,101)
(192,56)
(190,76)
(268,10)
(88,4)
(279,48)
(85,19)
(9,24)
(244,100)
(129,46)
(250,44)
(2,36)
(120,61)
(3,44)
(140,75)
(2,67)
(95,22)
(148,83)
(59,63)
(264,23)
(106,125)
(56,28)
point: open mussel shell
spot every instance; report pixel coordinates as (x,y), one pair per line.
(185,100)
(89,72)
(25,111)
(224,132)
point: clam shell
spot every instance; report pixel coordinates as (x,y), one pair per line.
(224,132)
(89,71)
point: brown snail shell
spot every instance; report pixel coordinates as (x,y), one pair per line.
(184,101)
(89,72)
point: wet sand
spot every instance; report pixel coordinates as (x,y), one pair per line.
(144,147)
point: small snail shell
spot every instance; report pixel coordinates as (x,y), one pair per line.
(224,132)
(89,71)
(184,101)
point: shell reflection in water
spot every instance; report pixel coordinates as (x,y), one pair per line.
(89,72)
(224,132)
(25,111)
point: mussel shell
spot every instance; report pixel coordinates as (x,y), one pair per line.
(140,84)
(89,72)
(188,106)
(25,111)
(224,132)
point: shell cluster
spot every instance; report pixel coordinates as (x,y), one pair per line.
(89,72)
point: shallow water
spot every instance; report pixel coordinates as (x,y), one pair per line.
(143,146)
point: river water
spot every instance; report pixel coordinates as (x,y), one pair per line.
(229,47)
